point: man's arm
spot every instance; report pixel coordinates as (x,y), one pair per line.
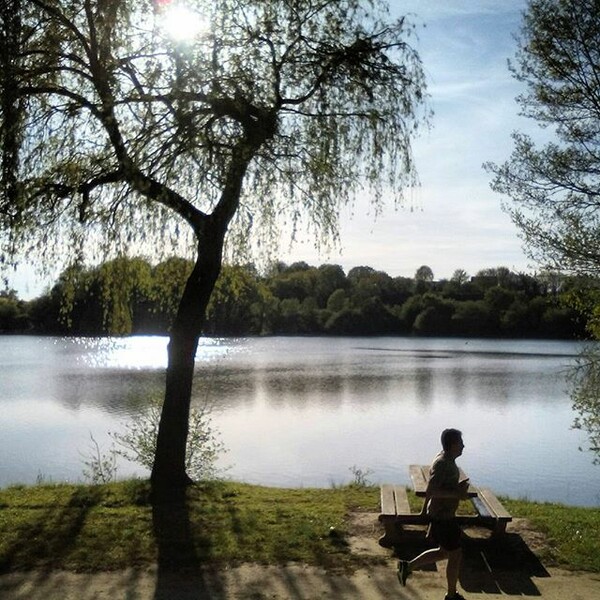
(435,491)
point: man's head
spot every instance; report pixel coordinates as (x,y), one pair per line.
(452,442)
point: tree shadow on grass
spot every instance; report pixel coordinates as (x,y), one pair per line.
(491,565)
(188,533)
(182,571)
(45,538)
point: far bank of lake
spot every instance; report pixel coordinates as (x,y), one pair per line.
(304,411)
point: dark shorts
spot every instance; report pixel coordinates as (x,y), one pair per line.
(446,534)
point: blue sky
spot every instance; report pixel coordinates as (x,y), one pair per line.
(454,220)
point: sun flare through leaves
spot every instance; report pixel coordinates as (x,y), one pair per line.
(179,21)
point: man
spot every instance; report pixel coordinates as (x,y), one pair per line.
(444,492)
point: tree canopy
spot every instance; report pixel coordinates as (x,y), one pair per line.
(301,299)
(112,128)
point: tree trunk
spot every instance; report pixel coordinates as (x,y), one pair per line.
(168,472)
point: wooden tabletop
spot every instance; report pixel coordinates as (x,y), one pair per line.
(419,475)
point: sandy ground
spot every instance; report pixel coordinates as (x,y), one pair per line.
(491,569)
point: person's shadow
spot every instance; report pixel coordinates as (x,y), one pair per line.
(181,573)
(500,565)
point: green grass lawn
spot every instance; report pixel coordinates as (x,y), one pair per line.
(572,533)
(93,528)
(89,528)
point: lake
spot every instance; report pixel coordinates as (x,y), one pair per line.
(309,411)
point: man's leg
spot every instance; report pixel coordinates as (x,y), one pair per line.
(452,569)
(428,557)
(405,567)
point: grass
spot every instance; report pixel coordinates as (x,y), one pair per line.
(94,528)
(572,533)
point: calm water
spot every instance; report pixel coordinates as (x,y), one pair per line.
(303,411)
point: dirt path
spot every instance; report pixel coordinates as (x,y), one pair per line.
(253,582)
(509,568)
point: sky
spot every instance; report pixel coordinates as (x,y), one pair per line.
(453,220)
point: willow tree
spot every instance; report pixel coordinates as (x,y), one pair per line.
(128,133)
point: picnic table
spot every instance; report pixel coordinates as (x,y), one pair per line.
(396,512)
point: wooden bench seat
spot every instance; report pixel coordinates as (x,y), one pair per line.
(491,511)
(395,512)
(419,475)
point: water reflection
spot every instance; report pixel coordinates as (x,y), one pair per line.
(323,386)
(112,391)
(120,375)
(300,388)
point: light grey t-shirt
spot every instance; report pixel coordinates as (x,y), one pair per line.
(443,475)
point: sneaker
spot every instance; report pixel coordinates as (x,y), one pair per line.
(403,572)
(455,596)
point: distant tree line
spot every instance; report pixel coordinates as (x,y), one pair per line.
(132,296)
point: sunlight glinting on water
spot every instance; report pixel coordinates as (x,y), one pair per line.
(141,352)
